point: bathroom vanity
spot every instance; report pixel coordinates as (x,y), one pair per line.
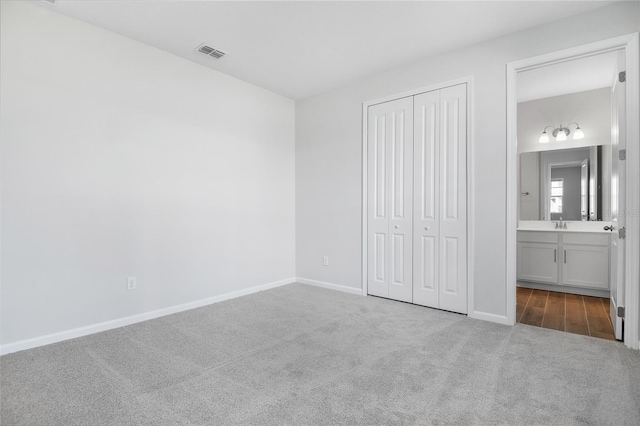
(572,260)
(575,184)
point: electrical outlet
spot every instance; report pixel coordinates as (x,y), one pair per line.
(131,283)
(325,261)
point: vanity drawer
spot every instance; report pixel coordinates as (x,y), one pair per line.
(537,237)
(586,239)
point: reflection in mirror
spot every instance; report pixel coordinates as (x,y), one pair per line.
(564,183)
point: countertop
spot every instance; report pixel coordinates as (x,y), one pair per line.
(572,226)
(584,231)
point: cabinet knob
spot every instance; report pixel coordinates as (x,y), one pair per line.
(608,228)
(426,228)
(397,226)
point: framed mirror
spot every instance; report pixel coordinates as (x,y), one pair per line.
(563,183)
(564,171)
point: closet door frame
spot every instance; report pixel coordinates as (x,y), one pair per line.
(470,167)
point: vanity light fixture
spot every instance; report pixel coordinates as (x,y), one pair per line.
(561,133)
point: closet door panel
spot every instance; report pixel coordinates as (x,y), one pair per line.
(453,199)
(450,164)
(378,219)
(390,167)
(425,271)
(379,257)
(450,281)
(426,198)
(401,192)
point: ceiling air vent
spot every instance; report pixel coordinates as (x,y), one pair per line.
(210,51)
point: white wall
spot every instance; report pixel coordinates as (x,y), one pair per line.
(328,150)
(119,159)
(590,109)
(529,185)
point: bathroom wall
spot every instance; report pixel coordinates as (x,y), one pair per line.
(530,186)
(590,109)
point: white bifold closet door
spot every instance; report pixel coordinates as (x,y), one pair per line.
(416,199)
(390,199)
(440,200)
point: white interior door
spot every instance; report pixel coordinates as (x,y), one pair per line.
(440,210)
(390,199)
(453,199)
(618,174)
(426,185)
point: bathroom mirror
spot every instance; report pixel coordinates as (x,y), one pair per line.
(563,183)
(563,172)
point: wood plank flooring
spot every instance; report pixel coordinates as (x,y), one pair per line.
(572,313)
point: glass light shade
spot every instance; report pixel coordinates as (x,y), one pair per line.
(544,138)
(561,136)
(578,134)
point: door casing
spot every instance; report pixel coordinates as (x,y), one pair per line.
(629,45)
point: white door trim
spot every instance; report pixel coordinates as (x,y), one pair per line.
(628,44)
(470,156)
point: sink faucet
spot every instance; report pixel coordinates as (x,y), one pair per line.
(561,224)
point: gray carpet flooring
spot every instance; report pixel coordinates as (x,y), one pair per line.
(300,355)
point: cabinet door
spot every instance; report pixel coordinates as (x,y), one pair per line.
(585,266)
(390,199)
(538,262)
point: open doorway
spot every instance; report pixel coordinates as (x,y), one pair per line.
(569,122)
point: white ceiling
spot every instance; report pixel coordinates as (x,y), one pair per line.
(578,75)
(300,49)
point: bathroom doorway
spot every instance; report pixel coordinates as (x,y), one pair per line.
(570,115)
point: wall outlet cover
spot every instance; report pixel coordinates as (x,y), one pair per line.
(131,283)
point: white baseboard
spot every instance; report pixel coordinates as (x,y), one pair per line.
(331,286)
(500,319)
(121,322)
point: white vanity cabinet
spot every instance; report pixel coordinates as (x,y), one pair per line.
(572,259)
(585,260)
(538,257)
